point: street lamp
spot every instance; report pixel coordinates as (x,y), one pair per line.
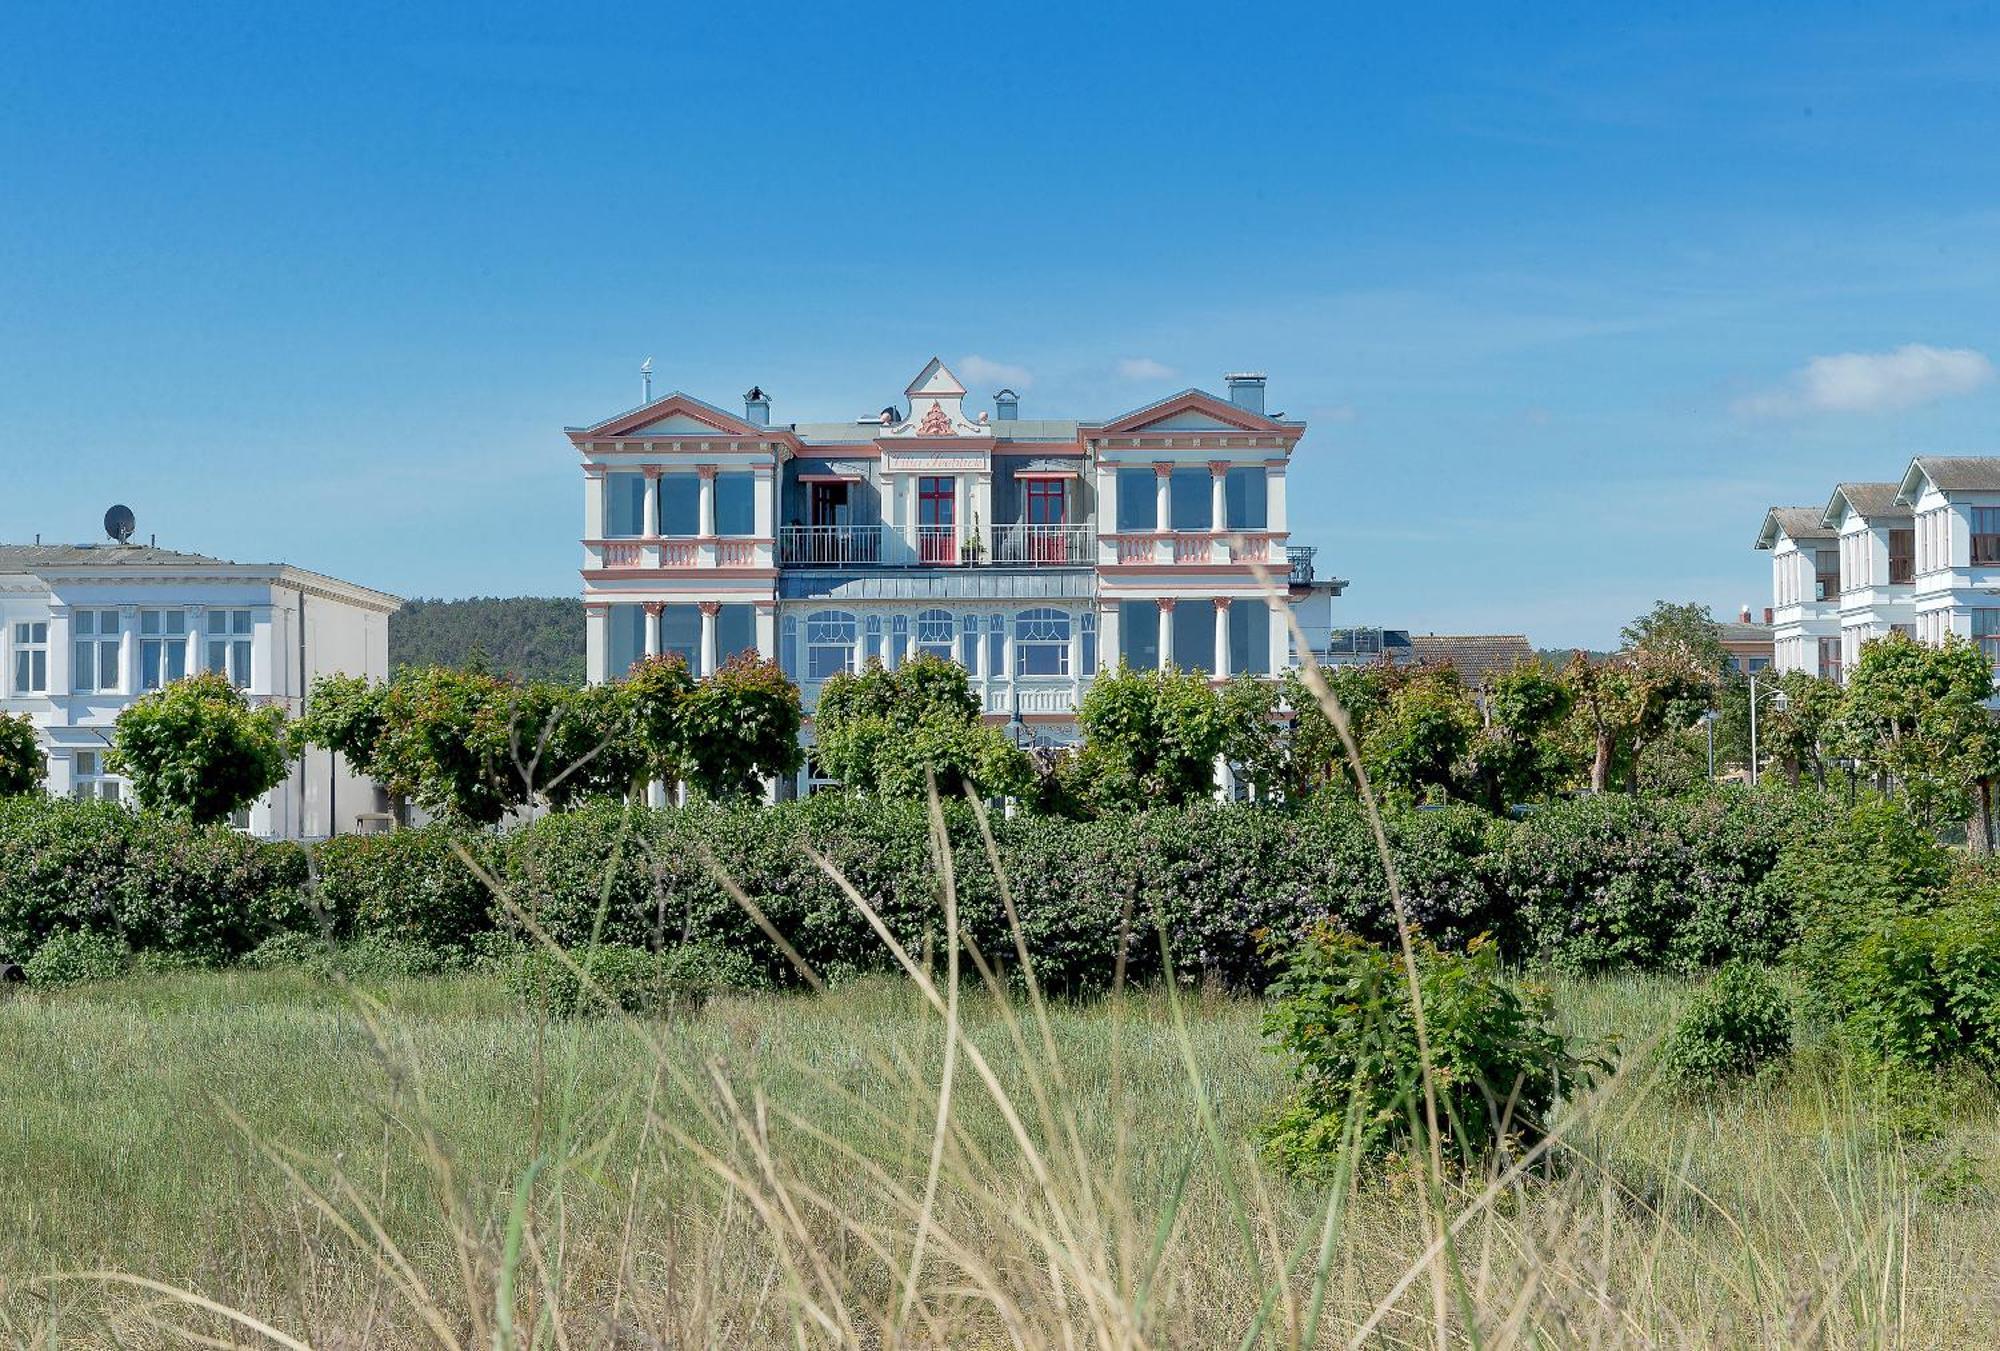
(1780,701)
(1708,720)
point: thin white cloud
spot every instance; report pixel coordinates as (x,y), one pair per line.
(1144,368)
(979,370)
(1873,382)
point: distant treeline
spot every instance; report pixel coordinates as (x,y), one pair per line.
(532,637)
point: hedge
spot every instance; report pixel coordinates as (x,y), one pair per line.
(1595,884)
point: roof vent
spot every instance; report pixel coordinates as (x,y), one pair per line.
(757,407)
(1006,406)
(1246,390)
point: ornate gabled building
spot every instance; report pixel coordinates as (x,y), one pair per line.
(1034,552)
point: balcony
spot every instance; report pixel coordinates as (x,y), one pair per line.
(934,546)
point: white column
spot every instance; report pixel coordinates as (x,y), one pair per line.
(767,630)
(1107,512)
(128,650)
(1275,519)
(597,657)
(1281,637)
(1222,634)
(708,662)
(593,501)
(1166,631)
(652,628)
(265,657)
(1109,637)
(649,514)
(1076,649)
(59,656)
(707,527)
(197,635)
(1162,496)
(764,505)
(1218,505)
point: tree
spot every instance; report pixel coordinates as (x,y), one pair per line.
(585,742)
(23,767)
(1916,715)
(1316,757)
(198,749)
(1796,735)
(1253,744)
(743,725)
(1515,755)
(1416,746)
(343,714)
(1150,738)
(891,733)
(447,742)
(657,688)
(1667,677)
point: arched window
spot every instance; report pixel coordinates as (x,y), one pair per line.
(1041,643)
(934,634)
(829,643)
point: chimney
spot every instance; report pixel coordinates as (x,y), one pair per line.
(757,407)
(1006,406)
(1767,614)
(1745,617)
(1246,390)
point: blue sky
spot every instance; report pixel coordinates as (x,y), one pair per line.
(1568,300)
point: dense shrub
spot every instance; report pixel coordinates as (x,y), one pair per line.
(1734,1025)
(409,885)
(1344,1020)
(371,958)
(98,867)
(634,979)
(1613,882)
(1921,990)
(71,958)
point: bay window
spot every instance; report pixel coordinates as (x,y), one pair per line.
(934,628)
(830,636)
(1041,643)
(1986,537)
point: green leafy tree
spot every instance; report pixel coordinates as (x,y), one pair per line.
(1796,737)
(741,725)
(585,742)
(447,742)
(891,733)
(658,688)
(198,749)
(1517,756)
(1669,674)
(1316,758)
(1253,745)
(1417,745)
(23,767)
(1150,738)
(343,714)
(1915,716)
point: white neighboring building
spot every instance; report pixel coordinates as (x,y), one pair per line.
(1874,534)
(1805,590)
(1955,504)
(85,629)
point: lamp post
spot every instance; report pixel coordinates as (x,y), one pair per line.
(1780,701)
(1708,721)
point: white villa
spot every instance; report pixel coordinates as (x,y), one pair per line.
(85,629)
(1920,556)
(1034,551)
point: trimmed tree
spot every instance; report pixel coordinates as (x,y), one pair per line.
(891,733)
(657,689)
(741,725)
(1916,715)
(1150,738)
(23,767)
(447,742)
(198,749)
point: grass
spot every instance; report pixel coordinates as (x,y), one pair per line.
(755,1174)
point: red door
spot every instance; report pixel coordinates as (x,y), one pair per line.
(1045,520)
(937,520)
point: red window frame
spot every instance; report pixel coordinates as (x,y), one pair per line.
(937,511)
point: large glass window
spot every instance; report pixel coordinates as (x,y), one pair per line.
(1088,642)
(1190,499)
(934,629)
(1194,636)
(735,631)
(830,636)
(1246,498)
(624,505)
(1041,643)
(1985,536)
(996,645)
(162,647)
(1249,637)
(94,658)
(31,657)
(680,504)
(1137,509)
(1986,632)
(624,639)
(735,504)
(680,634)
(899,639)
(227,646)
(1139,633)
(1902,556)
(968,644)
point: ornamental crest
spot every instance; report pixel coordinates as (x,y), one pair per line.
(936,422)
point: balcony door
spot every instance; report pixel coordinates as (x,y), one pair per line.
(1045,518)
(937,519)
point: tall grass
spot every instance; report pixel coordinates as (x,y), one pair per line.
(929,1158)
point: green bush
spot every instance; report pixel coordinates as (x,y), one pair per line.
(412,886)
(75,957)
(635,980)
(1923,990)
(1344,1021)
(1734,1025)
(369,958)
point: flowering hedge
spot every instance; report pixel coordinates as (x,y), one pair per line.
(1596,884)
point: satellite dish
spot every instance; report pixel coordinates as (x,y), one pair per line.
(119,523)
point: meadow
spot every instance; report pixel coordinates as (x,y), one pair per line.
(422,1163)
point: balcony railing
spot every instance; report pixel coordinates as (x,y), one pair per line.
(830,545)
(1042,545)
(1299,557)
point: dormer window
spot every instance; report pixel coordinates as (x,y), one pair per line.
(1986,537)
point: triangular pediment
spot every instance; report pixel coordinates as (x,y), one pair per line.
(1190,410)
(676,414)
(937,408)
(935,381)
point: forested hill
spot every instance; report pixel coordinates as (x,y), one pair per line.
(534,637)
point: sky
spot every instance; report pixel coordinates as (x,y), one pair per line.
(1569,297)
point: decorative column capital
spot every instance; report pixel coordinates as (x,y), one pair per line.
(711,608)
(709,471)
(1218,467)
(1166,605)
(593,471)
(1222,602)
(653,608)
(1162,468)
(596,608)
(652,472)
